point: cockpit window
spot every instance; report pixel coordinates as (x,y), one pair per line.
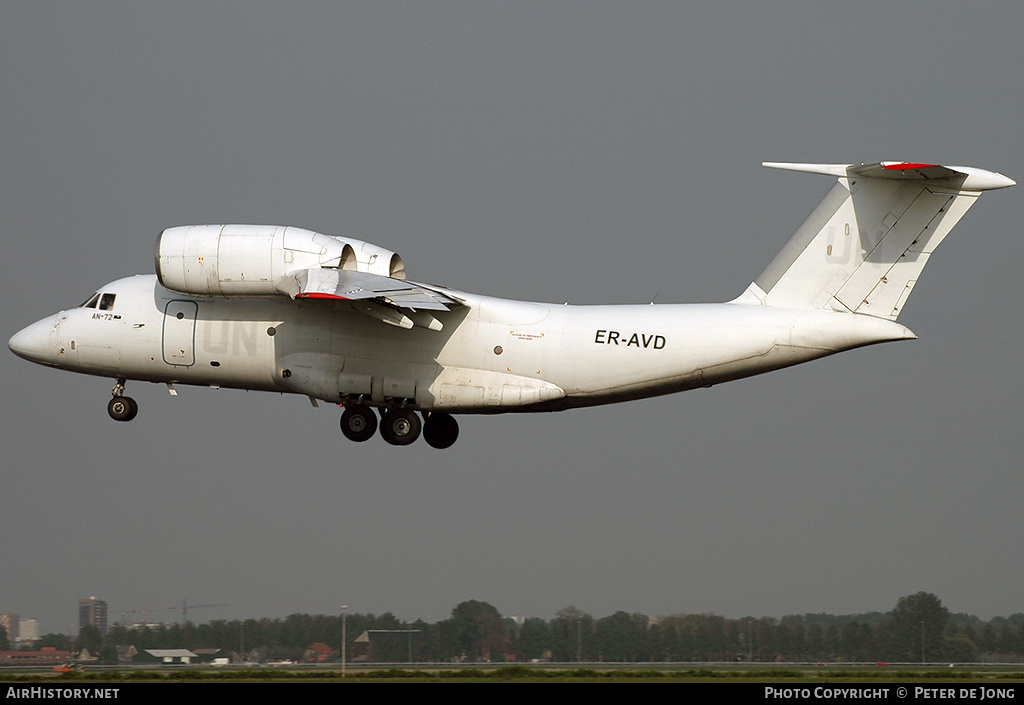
(91,303)
(107,302)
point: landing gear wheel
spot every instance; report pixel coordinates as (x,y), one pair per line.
(358,423)
(122,408)
(400,427)
(441,430)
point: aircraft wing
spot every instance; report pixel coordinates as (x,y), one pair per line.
(328,283)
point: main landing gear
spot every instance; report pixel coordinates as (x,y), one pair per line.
(120,407)
(358,422)
(399,426)
(441,430)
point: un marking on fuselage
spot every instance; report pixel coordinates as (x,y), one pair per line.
(640,340)
(222,336)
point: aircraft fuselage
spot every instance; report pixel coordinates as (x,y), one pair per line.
(493,355)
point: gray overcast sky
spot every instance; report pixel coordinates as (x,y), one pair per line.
(584,152)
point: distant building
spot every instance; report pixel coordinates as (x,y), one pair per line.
(94,612)
(10,622)
(212,655)
(319,652)
(28,629)
(384,645)
(126,653)
(45,656)
(168,657)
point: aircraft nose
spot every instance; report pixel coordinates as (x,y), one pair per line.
(37,342)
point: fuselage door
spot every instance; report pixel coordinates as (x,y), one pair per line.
(179,334)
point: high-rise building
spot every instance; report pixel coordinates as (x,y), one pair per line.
(94,612)
(10,622)
(28,629)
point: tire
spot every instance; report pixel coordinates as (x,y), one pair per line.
(441,430)
(122,408)
(400,427)
(358,423)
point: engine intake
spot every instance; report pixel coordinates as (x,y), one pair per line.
(249,260)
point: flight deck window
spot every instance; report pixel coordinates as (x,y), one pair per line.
(91,303)
(107,302)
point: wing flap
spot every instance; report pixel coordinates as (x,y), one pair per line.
(349,285)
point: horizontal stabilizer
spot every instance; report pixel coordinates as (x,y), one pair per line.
(864,246)
(966,178)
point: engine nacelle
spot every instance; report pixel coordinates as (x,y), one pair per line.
(249,260)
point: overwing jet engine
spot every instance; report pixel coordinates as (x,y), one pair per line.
(284,309)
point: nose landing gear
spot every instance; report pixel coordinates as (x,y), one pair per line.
(120,407)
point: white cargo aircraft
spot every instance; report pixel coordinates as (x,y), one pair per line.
(283,309)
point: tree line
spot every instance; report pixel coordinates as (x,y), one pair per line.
(918,629)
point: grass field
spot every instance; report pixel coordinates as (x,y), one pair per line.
(990,674)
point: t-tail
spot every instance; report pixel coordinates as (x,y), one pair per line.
(864,246)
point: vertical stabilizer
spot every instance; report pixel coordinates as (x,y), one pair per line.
(864,246)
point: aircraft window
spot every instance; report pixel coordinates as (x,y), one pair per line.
(91,303)
(107,302)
